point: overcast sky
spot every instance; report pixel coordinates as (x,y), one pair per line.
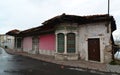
(25,14)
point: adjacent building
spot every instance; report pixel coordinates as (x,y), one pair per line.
(70,37)
(6,41)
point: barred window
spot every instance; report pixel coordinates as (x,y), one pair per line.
(60,41)
(71,43)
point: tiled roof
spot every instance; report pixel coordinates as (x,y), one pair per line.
(49,25)
(81,19)
(13,32)
(76,19)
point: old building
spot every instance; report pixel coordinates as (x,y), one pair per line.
(7,41)
(70,37)
(17,42)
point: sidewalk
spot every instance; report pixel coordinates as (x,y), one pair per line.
(79,64)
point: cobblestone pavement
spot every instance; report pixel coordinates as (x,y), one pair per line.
(78,64)
(113,68)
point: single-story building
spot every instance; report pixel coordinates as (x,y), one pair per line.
(16,43)
(6,41)
(71,37)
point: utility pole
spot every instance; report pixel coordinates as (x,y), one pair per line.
(108,15)
(108,29)
(108,7)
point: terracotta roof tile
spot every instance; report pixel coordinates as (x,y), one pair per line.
(13,32)
(49,25)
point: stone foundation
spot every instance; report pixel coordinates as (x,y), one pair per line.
(108,54)
(47,52)
(59,56)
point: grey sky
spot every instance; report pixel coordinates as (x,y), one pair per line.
(25,14)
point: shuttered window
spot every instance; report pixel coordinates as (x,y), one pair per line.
(60,37)
(71,43)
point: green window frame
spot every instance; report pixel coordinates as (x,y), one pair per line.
(60,41)
(71,43)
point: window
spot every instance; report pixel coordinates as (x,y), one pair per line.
(71,43)
(60,41)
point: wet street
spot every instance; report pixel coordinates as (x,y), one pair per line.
(19,65)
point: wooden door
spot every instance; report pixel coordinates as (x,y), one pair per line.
(94,49)
(35,44)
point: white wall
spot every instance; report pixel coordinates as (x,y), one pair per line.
(96,30)
(6,40)
(86,31)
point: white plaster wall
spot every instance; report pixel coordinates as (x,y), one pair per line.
(66,31)
(6,40)
(94,30)
(47,52)
(10,42)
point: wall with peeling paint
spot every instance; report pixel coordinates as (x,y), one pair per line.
(47,44)
(83,33)
(95,30)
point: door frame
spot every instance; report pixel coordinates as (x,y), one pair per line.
(34,39)
(100,53)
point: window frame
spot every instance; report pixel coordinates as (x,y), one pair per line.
(71,43)
(60,43)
